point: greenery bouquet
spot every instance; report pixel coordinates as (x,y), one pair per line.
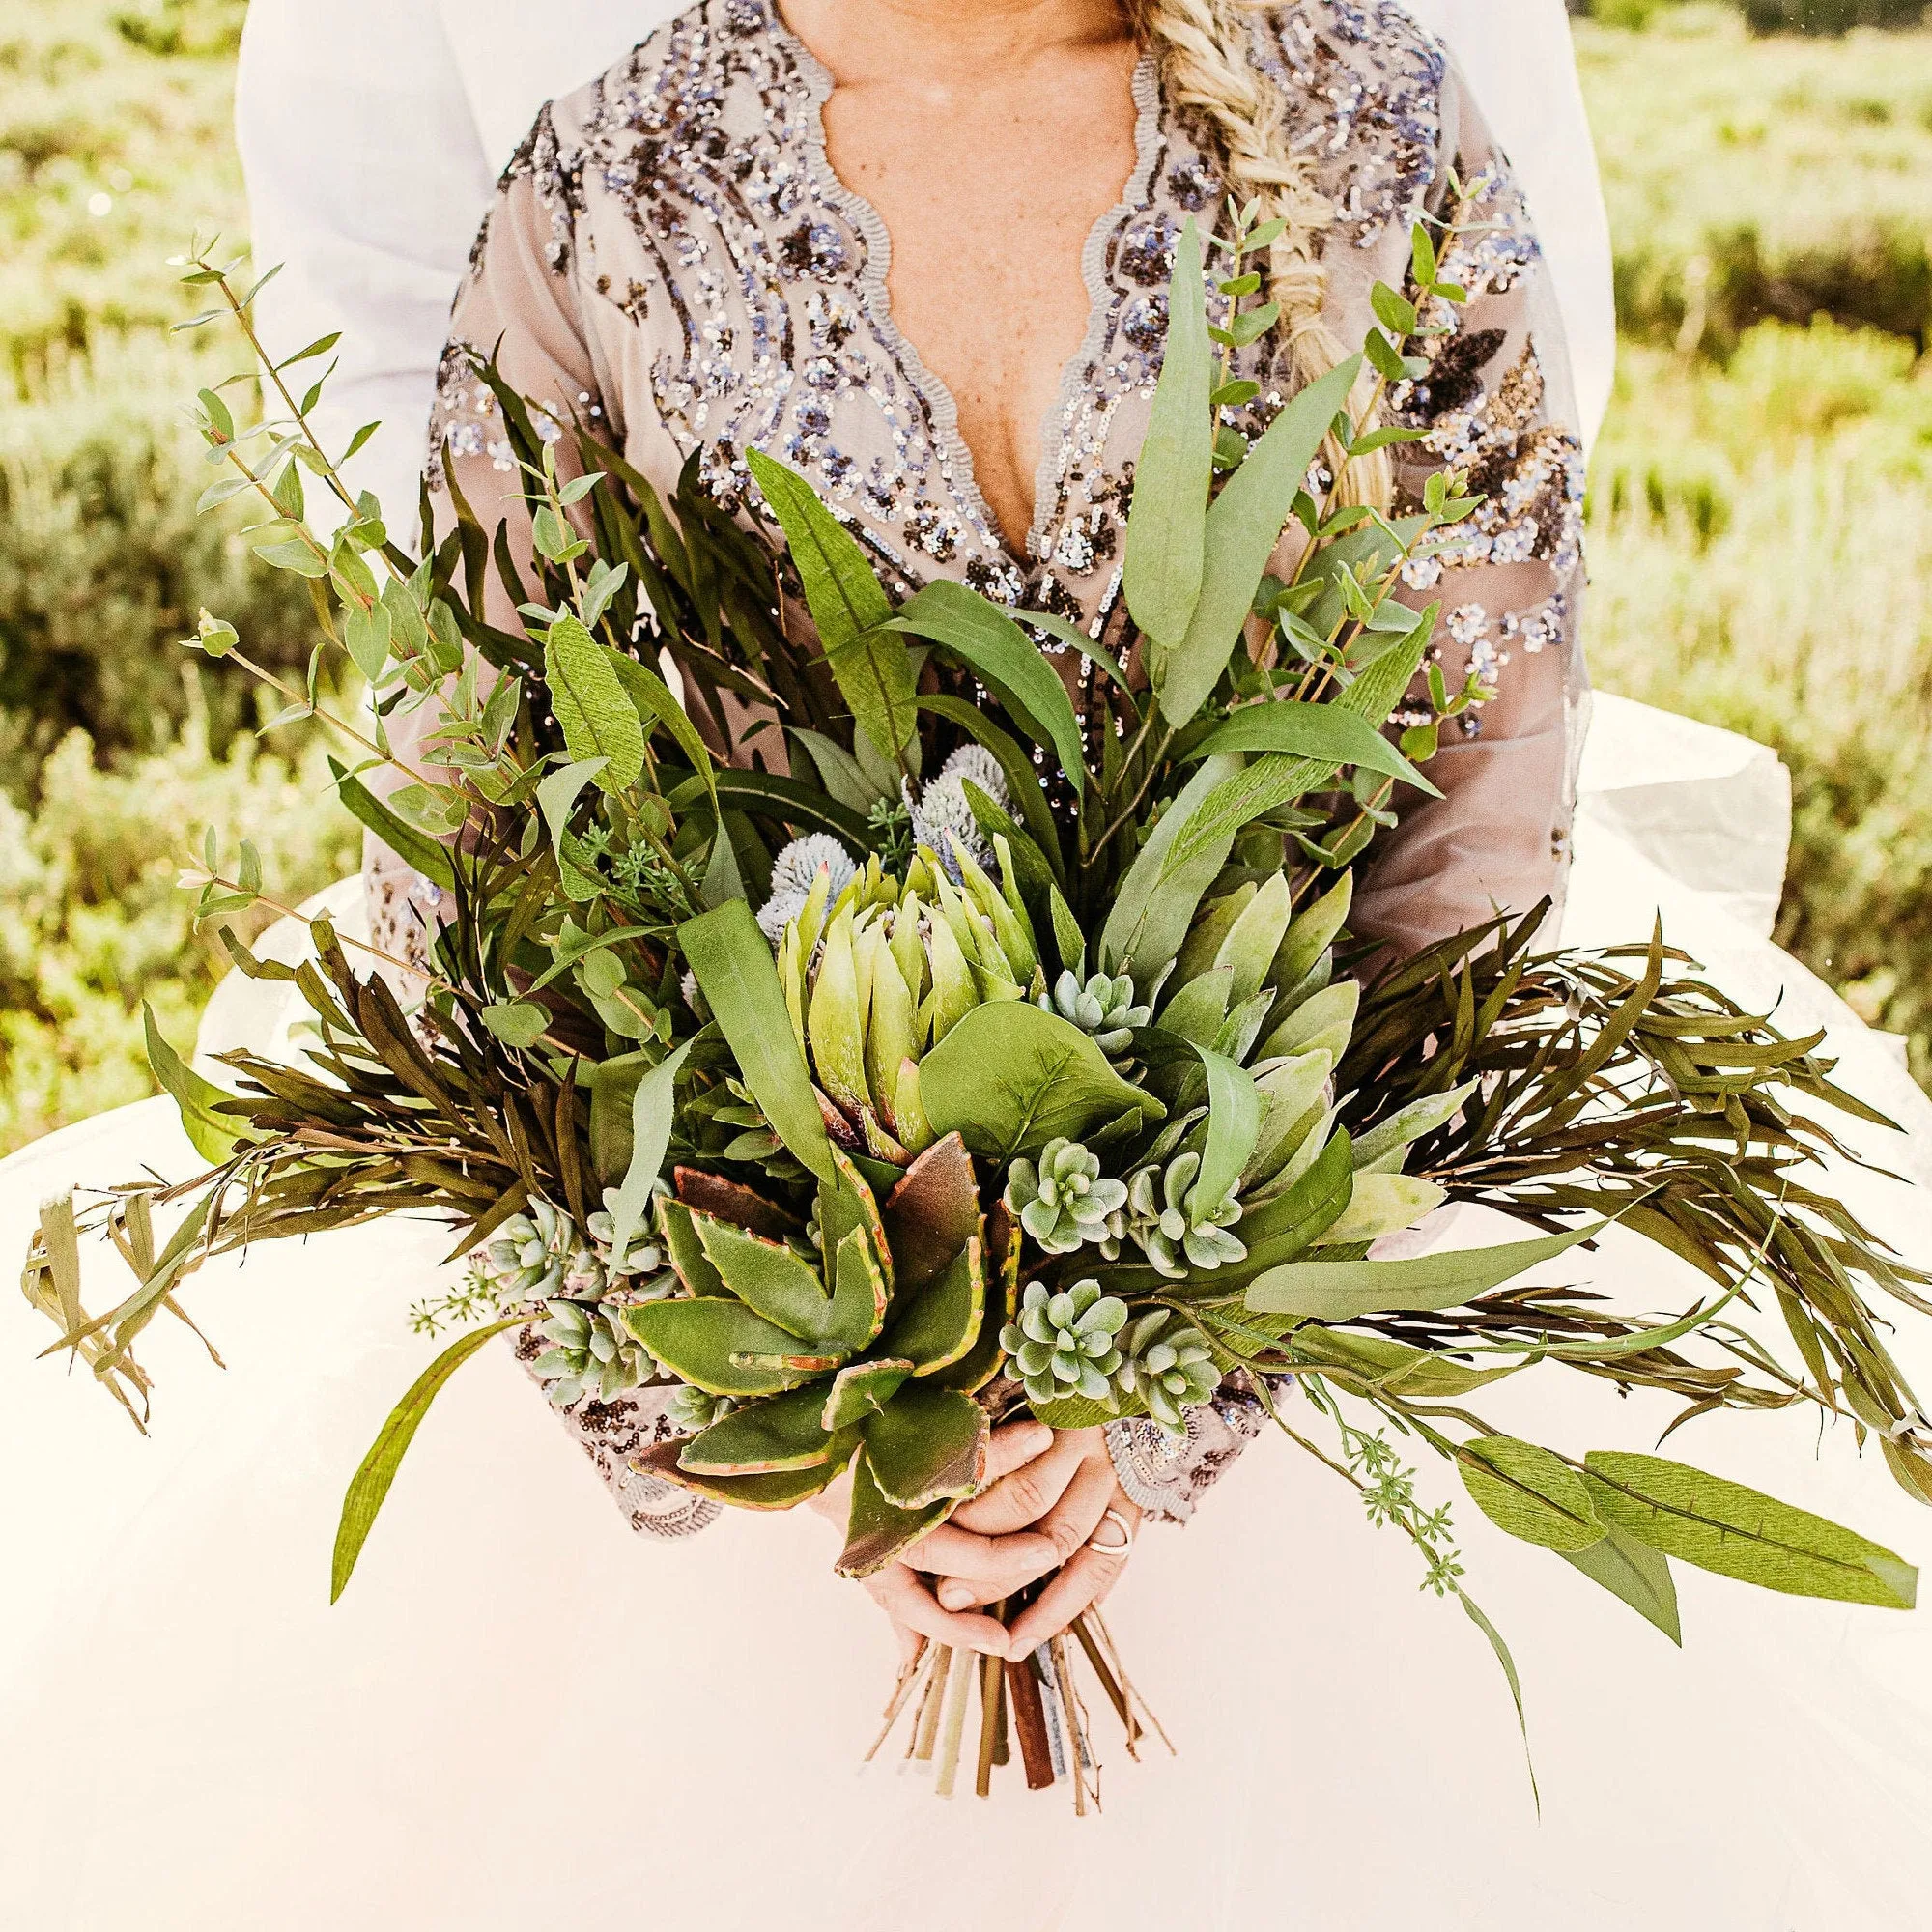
(997,1060)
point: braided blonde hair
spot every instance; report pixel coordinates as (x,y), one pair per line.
(1203,51)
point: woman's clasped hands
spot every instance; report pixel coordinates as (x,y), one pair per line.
(1052,1502)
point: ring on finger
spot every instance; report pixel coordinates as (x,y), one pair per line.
(1118,1535)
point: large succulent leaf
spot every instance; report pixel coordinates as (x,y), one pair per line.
(688,1258)
(847,1202)
(726,1200)
(739,978)
(1738,1532)
(859,1294)
(1008,1078)
(936,1326)
(980,1363)
(928,1445)
(769,1279)
(879,1532)
(725,1348)
(780,1492)
(934,1212)
(859,1390)
(763,1439)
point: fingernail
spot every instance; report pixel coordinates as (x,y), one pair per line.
(956,1596)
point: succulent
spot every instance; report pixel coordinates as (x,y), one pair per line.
(1063,1203)
(1168,1364)
(1103,1007)
(864,1353)
(538,1255)
(589,1354)
(692,1410)
(1065,1343)
(1168,1220)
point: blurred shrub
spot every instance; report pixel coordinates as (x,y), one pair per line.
(104,565)
(195,27)
(1762,179)
(92,922)
(1829,16)
(1800,613)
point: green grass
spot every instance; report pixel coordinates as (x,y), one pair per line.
(1761,514)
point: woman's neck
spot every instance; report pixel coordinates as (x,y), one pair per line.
(946,42)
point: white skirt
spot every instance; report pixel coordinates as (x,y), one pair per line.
(524,1716)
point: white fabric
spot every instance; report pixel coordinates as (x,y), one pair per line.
(372,133)
(523,1718)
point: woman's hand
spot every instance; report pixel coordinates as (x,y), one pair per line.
(1048,1493)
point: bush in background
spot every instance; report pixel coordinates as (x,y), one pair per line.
(92,922)
(1761,557)
(104,564)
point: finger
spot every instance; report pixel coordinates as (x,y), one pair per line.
(906,1601)
(1077,1515)
(1016,1444)
(912,1645)
(1080,1585)
(1056,1538)
(1000,1563)
(1028,1493)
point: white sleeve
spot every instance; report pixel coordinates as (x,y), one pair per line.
(1520,65)
(367,181)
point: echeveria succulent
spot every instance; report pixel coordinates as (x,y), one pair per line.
(1065,1344)
(1167,1365)
(1062,1200)
(1169,1222)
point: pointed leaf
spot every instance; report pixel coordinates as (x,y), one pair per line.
(593,710)
(933,1211)
(713,1344)
(1320,731)
(928,1445)
(763,1439)
(370,1487)
(879,1532)
(1635,1572)
(1529,1494)
(653,1108)
(784,1491)
(767,1277)
(214,1136)
(862,1390)
(938,1325)
(734,967)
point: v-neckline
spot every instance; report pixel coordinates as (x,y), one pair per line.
(1057,430)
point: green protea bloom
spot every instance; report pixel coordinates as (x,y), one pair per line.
(589,1354)
(1064,1203)
(1103,1008)
(1168,1220)
(1168,1364)
(1063,1345)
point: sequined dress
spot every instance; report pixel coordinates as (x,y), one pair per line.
(672,260)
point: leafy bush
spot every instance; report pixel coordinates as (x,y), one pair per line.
(1761,558)
(92,922)
(1749,180)
(197,27)
(1829,16)
(104,565)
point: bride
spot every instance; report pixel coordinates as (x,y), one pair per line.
(919,251)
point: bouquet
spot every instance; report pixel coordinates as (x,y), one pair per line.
(998,1059)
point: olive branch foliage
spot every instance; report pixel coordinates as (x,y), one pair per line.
(579,816)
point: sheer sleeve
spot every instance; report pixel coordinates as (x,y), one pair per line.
(1495,409)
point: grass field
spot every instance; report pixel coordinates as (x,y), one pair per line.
(1761,511)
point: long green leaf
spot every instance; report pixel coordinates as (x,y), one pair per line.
(649,693)
(370,1488)
(1022,781)
(214,1136)
(1234,1125)
(1321,731)
(593,709)
(1736,1531)
(653,1109)
(976,630)
(869,661)
(734,967)
(1167,523)
(1638,1574)
(1156,900)
(427,855)
(1346,1290)
(1530,1494)
(1243,528)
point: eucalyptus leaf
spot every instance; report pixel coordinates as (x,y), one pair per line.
(593,709)
(1008,1078)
